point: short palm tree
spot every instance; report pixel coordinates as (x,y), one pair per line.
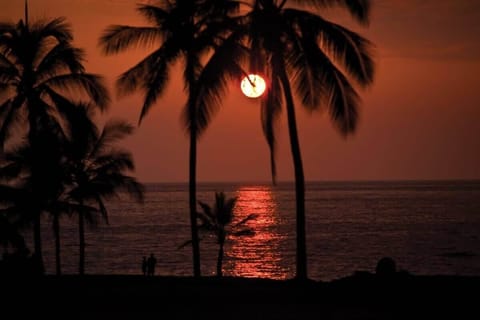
(183,31)
(98,170)
(39,69)
(218,219)
(303,54)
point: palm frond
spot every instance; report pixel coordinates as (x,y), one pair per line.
(7,27)
(153,13)
(136,76)
(113,161)
(230,204)
(184,244)
(109,184)
(353,51)
(187,243)
(223,67)
(103,209)
(4,61)
(271,107)
(60,58)
(75,83)
(342,99)
(8,119)
(116,129)
(157,73)
(118,38)
(245,220)
(78,122)
(207,211)
(243,233)
(154,86)
(9,75)
(71,208)
(348,48)
(358,9)
(57,28)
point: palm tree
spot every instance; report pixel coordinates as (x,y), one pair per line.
(34,177)
(10,195)
(297,49)
(218,220)
(97,169)
(39,68)
(183,31)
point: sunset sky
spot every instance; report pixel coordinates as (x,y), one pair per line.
(420,119)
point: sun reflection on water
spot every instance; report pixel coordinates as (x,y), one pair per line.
(259,255)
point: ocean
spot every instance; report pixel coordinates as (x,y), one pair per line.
(427,227)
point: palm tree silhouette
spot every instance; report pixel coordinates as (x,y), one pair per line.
(10,196)
(302,53)
(34,184)
(218,219)
(39,69)
(98,170)
(180,31)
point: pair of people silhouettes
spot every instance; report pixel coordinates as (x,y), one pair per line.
(148,265)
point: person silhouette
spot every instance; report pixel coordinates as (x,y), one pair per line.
(144,265)
(151,263)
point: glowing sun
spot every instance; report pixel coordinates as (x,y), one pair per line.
(254,87)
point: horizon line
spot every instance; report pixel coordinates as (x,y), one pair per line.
(317,181)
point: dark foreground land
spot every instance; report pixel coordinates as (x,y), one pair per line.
(362,296)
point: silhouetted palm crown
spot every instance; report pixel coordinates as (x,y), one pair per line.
(181,31)
(320,58)
(98,169)
(39,71)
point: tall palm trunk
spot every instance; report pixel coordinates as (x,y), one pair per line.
(81,234)
(193,202)
(190,72)
(299,177)
(56,231)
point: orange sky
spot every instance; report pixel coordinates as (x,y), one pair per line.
(420,119)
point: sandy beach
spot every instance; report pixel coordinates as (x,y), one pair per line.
(361,296)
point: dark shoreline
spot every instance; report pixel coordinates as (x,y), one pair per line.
(361,296)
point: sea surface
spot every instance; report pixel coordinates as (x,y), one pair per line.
(427,227)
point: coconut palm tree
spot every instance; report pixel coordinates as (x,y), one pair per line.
(39,67)
(98,170)
(218,219)
(183,31)
(9,196)
(33,174)
(304,54)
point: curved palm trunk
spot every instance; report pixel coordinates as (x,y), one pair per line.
(56,231)
(191,80)
(81,234)
(299,177)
